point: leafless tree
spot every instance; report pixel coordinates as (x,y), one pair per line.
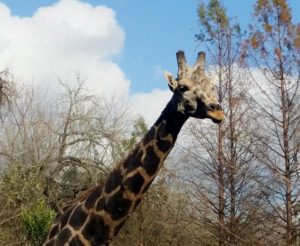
(52,148)
(273,47)
(223,168)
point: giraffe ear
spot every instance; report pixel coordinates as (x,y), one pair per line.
(171,82)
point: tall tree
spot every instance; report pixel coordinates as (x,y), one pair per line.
(87,136)
(227,188)
(273,48)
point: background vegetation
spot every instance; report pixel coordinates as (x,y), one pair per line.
(236,183)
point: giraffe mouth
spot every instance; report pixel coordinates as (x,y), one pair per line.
(216,115)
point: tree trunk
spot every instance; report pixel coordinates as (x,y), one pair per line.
(221,212)
(231,163)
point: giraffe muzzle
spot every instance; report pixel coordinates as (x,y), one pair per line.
(215,112)
(216,115)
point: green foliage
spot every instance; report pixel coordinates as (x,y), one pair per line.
(215,11)
(212,18)
(36,221)
(214,22)
(139,129)
(22,184)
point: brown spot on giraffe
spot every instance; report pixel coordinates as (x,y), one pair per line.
(96,217)
(95,230)
(93,196)
(151,161)
(77,218)
(63,236)
(134,183)
(134,160)
(76,241)
(54,230)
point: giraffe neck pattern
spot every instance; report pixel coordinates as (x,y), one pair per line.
(95,218)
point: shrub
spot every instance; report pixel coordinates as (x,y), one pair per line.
(36,221)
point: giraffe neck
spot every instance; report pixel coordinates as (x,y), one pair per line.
(172,119)
(148,156)
(99,215)
(132,177)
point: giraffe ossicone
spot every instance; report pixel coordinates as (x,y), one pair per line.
(96,217)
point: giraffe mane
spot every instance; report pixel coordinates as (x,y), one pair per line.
(84,194)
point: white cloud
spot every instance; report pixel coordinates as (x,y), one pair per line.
(72,37)
(60,40)
(150,105)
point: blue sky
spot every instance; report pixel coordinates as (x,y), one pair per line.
(141,40)
(154,30)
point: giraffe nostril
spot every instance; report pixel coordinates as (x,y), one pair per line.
(214,106)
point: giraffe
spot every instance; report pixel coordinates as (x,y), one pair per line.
(96,217)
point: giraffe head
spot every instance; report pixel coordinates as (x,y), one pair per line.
(194,92)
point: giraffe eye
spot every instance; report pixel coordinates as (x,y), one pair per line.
(183,88)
